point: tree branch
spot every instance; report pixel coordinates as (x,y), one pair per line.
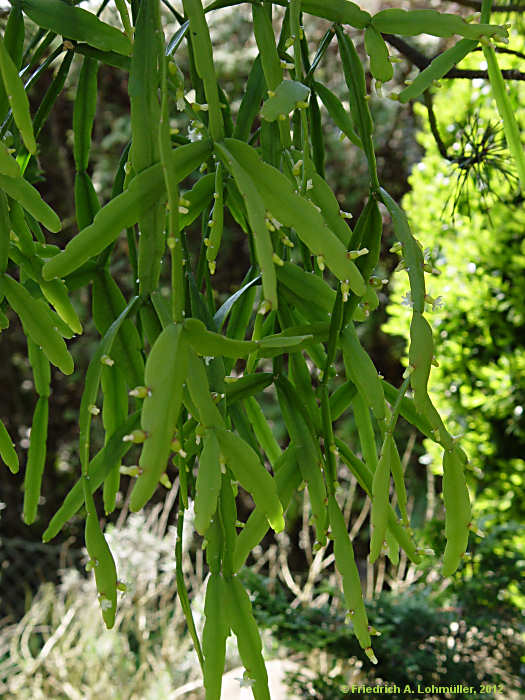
(502,49)
(476,5)
(407,50)
(421,61)
(433,125)
(507,73)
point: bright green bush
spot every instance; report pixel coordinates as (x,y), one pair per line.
(472,227)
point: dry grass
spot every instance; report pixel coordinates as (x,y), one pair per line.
(60,649)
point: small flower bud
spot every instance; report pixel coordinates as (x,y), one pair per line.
(134,470)
(369,652)
(164,480)
(265,307)
(140,392)
(353,254)
(136,436)
(297,167)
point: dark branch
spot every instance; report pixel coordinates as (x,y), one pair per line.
(502,49)
(507,73)
(408,51)
(421,62)
(476,5)
(433,125)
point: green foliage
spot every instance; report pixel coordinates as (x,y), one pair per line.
(469,218)
(490,584)
(425,636)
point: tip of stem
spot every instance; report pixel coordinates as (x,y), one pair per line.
(370,653)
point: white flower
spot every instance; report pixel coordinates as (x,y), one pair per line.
(194,132)
(105,603)
(406,300)
(245,682)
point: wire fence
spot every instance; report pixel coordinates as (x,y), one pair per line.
(25,565)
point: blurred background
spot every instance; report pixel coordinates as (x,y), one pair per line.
(446,158)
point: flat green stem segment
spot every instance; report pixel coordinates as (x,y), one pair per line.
(341,11)
(92,382)
(99,467)
(293,210)
(203,53)
(411,251)
(361,371)
(346,565)
(506,110)
(8,165)
(412,22)
(103,563)
(178,287)
(265,38)
(124,16)
(284,99)
(7,450)
(182,591)
(287,478)
(208,483)
(256,216)
(251,474)
(36,459)
(143,88)
(164,375)
(37,321)
(380,499)
(306,444)
(338,113)
(29,198)
(75,23)
(458,512)
(365,476)
(144,191)
(240,616)
(355,80)
(210,344)
(214,635)
(439,67)
(377,50)
(17,98)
